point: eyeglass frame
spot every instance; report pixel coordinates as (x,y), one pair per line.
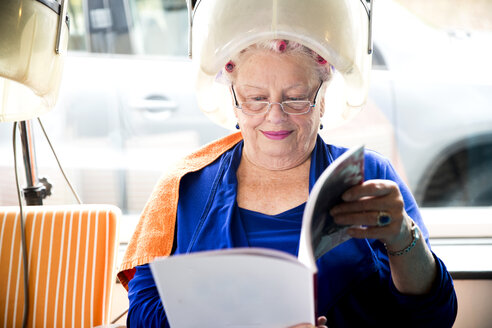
(311,105)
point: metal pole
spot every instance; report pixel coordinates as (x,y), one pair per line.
(34,192)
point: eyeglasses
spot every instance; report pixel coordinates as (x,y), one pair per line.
(290,107)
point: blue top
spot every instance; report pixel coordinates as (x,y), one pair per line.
(355,288)
(279,231)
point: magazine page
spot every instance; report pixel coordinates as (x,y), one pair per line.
(319,232)
(243,287)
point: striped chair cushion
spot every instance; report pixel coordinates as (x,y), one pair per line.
(71,254)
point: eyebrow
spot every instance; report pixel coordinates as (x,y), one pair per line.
(262,88)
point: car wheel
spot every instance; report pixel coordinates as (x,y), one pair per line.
(462,180)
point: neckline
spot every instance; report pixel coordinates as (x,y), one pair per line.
(296,209)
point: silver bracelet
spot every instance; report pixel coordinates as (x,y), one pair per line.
(415,237)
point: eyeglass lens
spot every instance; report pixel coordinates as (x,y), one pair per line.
(289,107)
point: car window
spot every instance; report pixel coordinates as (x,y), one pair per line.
(141,27)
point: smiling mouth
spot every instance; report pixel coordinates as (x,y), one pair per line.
(276,135)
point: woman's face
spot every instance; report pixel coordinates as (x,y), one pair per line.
(276,140)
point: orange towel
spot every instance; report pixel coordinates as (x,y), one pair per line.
(154,233)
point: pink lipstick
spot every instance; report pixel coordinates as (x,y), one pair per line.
(276,135)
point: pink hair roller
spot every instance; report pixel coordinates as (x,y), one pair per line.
(281,46)
(230,66)
(321,60)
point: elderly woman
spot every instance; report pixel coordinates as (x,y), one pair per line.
(250,189)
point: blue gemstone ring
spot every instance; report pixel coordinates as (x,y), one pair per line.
(383,219)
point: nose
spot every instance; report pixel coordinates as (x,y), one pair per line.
(276,114)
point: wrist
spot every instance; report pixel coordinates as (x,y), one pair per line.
(401,248)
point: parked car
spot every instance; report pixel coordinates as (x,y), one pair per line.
(436,89)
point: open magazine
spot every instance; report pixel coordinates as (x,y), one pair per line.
(319,232)
(256,287)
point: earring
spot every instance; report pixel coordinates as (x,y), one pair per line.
(237,126)
(321,126)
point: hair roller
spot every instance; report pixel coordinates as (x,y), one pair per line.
(321,60)
(229,67)
(281,46)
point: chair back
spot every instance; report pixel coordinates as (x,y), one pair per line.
(71,255)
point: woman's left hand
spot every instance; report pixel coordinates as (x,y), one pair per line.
(375,209)
(365,207)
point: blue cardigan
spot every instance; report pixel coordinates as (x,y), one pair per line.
(355,288)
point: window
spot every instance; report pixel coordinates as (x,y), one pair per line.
(139,27)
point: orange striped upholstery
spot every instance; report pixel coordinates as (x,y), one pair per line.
(71,253)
